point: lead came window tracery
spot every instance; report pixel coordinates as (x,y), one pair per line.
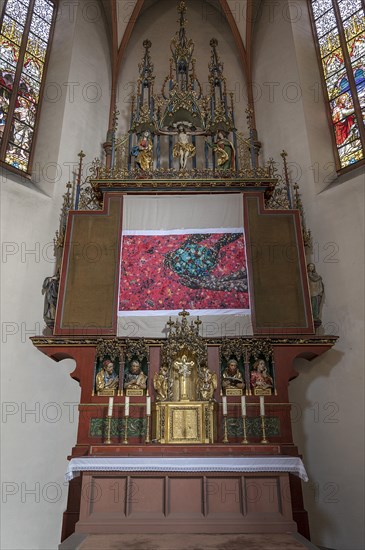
(26,27)
(339,27)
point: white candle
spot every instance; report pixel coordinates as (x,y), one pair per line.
(262,405)
(126,410)
(224,400)
(148,405)
(243,405)
(110,406)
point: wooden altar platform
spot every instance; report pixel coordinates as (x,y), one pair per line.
(187,542)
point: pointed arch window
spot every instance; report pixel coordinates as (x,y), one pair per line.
(25,35)
(339,31)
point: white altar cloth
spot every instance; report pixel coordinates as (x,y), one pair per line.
(292,465)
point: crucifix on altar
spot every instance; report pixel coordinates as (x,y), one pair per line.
(183,368)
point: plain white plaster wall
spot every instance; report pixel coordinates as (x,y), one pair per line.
(35,446)
(328,394)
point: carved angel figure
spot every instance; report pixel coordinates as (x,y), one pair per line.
(207,384)
(161,384)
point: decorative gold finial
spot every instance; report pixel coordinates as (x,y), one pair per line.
(184,313)
(181,7)
(116,113)
(182,11)
(249,116)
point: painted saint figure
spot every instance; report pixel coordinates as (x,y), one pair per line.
(143,152)
(344,118)
(232,377)
(50,291)
(135,378)
(224,150)
(106,380)
(316,291)
(260,378)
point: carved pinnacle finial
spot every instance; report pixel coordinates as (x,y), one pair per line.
(182,11)
(181,8)
(147,44)
(184,313)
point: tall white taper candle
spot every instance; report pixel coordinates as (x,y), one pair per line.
(110,406)
(148,405)
(243,405)
(126,409)
(224,401)
(262,405)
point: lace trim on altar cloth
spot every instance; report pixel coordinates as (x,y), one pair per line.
(292,465)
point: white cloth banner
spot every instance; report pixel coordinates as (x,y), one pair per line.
(161,216)
(292,465)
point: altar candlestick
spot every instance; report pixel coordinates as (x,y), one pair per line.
(262,405)
(126,410)
(224,401)
(110,406)
(148,419)
(243,405)
(225,430)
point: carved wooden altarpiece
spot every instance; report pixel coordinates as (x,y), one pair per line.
(195,394)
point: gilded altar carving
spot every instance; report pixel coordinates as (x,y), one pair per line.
(136,367)
(189,422)
(184,387)
(108,360)
(161,384)
(207,383)
(261,381)
(232,379)
(135,381)
(106,380)
(184,375)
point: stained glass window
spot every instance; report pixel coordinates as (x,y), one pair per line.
(339,28)
(25,30)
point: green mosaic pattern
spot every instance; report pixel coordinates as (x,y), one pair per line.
(136,427)
(253,426)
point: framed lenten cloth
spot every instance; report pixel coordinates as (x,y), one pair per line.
(181,253)
(223,257)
